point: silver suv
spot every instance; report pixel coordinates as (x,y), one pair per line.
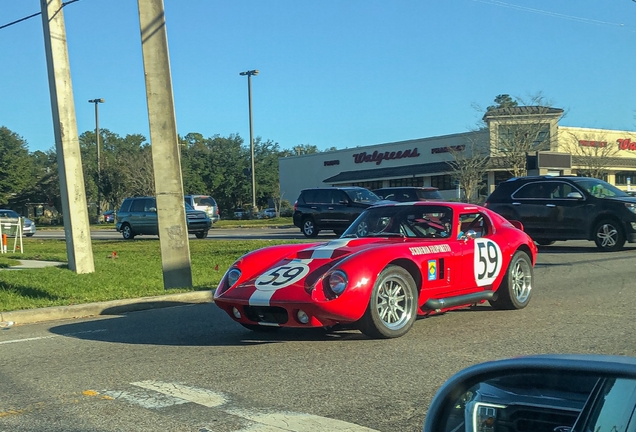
(138,216)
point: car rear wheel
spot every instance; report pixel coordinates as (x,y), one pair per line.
(608,236)
(516,288)
(392,308)
(127,232)
(202,234)
(309,228)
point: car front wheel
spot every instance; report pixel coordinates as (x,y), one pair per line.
(516,288)
(201,235)
(392,308)
(608,236)
(309,228)
(127,232)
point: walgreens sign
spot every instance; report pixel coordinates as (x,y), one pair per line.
(378,157)
(623,144)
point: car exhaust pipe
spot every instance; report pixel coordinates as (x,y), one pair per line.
(438,304)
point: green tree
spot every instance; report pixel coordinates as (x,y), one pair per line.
(15,165)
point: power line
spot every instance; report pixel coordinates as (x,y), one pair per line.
(548,13)
(36,14)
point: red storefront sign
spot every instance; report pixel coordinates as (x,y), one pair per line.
(626,144)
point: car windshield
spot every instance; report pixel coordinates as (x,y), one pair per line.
(600,188)
(8,214)
(403,221)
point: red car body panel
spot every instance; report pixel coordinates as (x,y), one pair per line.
(288,278)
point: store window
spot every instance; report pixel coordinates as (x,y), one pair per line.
(540,134)
(410,181)
(501,176)
(443,182)
(622,176)
(369,184)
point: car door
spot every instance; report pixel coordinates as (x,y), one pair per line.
(570,217)
(481,258)
(535,208)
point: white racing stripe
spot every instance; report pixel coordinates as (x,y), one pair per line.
(326,251)
(198,396)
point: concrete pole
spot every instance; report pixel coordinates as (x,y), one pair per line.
(249,96)
(173,231)
(79,249)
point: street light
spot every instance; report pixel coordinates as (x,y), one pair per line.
(99,169)
(249,97)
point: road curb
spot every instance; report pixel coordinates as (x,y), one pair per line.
(112,307)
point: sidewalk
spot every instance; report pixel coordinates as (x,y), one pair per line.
(112,307)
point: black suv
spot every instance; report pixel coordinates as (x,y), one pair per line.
(409,193)
(568,208)
(333,208)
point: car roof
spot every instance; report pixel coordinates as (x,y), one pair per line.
(455,206)
(425,188)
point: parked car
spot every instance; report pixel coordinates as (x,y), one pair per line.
(543,393)
(138,215)
(204,203)
(333,208)
(568,208)
(409,193)
(28,227)
(109,216)
(267,213)
(394,263)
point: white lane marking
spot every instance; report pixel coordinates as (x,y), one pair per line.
(49,337)
(198,396)
(145,400)
(288,421)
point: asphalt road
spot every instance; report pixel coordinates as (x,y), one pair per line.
(191,368)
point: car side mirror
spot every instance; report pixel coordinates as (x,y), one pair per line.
(153,209)
(575,195)
(558,392)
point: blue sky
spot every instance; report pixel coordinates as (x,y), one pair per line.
(333,73)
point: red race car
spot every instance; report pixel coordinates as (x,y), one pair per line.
(397,261)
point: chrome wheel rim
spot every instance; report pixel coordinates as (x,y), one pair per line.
(308,227)
(394,304)
(127,231)
(607,235)
(521,280)
(363,229)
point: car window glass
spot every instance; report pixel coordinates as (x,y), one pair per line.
(539,190)
(335,197)
(205,201)
(562,190)
(323,196)
(599,188)
(426,195)
(125,206)
(614,408)
(362,195)
(137,205)
(150,203)
(473,222)
(310,196)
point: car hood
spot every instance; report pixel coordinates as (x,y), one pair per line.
(291,271)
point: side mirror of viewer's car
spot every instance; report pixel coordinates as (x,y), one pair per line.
(575,195)
(546,393)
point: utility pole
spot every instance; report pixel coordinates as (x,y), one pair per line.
(99,165)
(173,230)
(79,249)
(249,98)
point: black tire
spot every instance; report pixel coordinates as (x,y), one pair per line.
(127,232)
(260,328)
(392,308)
(516,287)
(202,234)
(29,235)
(544,242)
(608,236)
(309,228)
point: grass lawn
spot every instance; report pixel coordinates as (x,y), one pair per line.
(136,272)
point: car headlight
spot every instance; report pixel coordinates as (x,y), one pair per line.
(631,207)
(233,275)
(338,282)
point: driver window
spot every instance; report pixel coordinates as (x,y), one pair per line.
(473,221)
